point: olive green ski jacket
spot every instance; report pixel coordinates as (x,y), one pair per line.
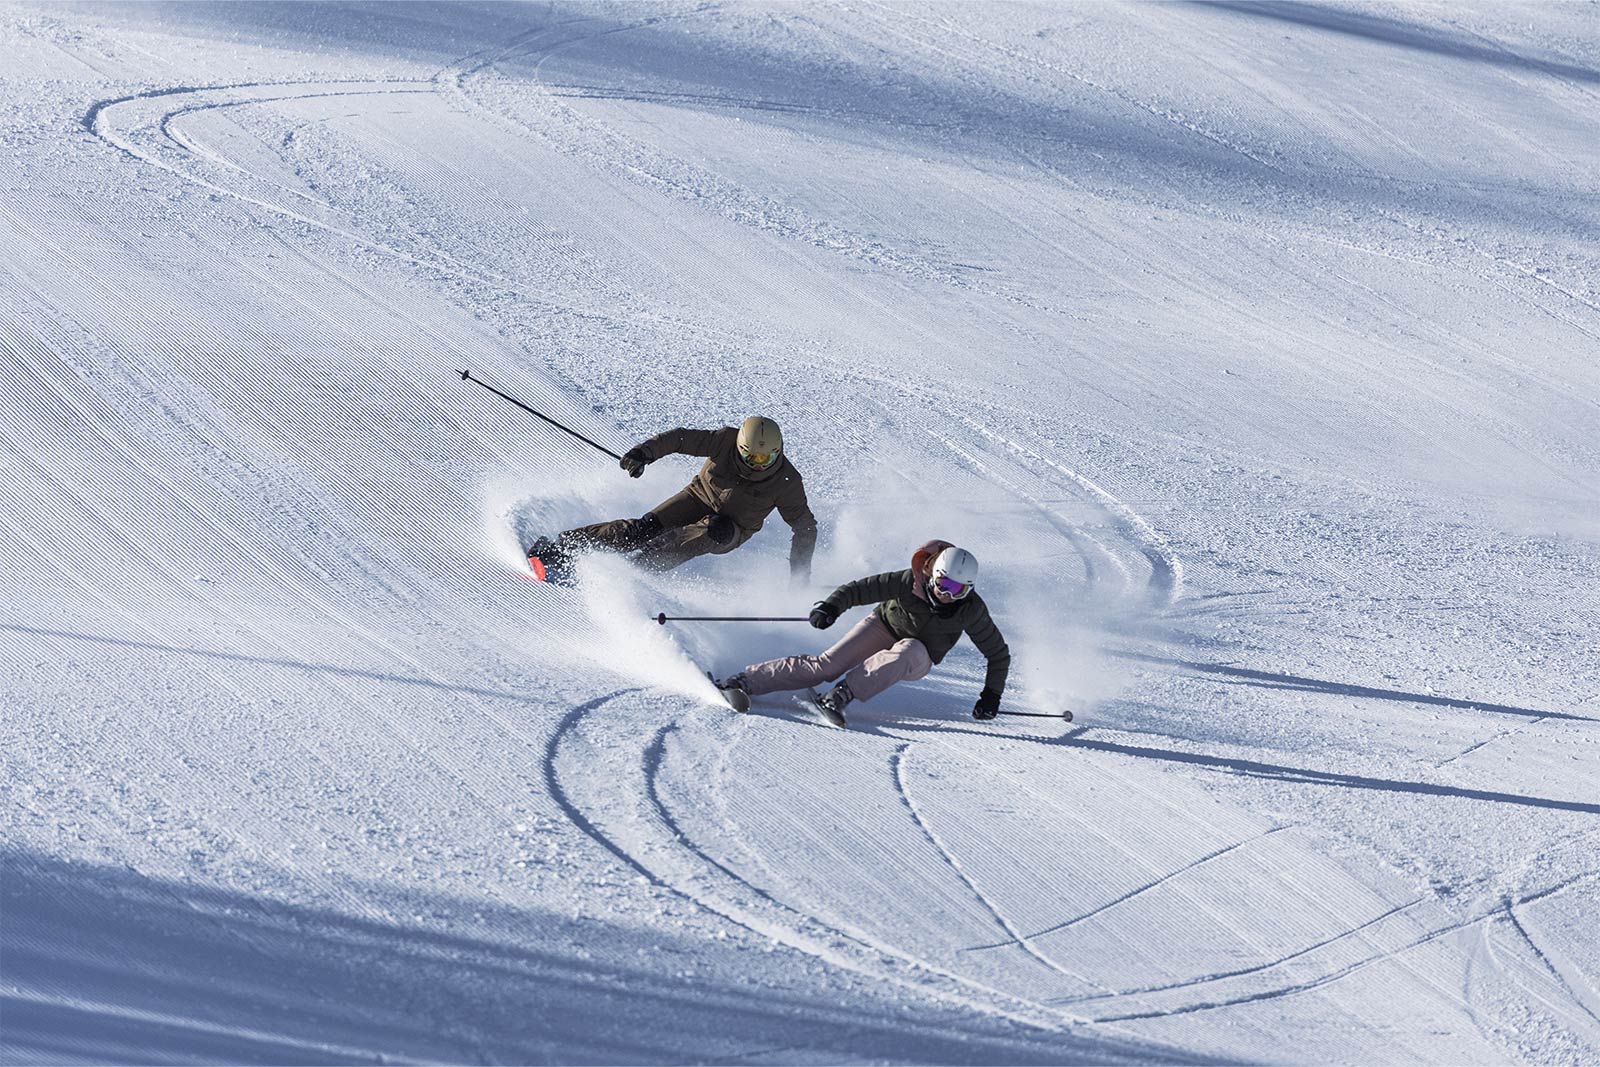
(728,486)
(908,613)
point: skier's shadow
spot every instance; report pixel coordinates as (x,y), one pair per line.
(900,723)
(1300,683)
(1399,34)
(269,661)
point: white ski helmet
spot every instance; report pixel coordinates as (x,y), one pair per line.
(760,443)
(954,573)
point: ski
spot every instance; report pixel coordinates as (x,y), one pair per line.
(549,564)
(732,695)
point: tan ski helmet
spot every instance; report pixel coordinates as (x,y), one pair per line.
(760,443)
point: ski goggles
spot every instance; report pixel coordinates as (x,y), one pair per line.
(952,589)
(759,460)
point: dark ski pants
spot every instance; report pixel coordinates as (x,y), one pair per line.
(870,654)
(684,527)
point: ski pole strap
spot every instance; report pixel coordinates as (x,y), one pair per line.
(664,618)
(466,376)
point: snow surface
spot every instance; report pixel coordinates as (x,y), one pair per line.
(1253,348)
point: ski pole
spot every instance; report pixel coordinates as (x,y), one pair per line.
(1067,715)
(466,376)
(664,618)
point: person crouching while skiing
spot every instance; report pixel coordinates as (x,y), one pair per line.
(922,612)
(745,477)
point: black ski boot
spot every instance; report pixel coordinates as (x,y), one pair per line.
(832,703)
(735,691)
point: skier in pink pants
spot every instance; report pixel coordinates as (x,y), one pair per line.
(922,612)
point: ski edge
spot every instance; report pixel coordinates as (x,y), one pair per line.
(733,702)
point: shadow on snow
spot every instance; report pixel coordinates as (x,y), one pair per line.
(1081,131)
(1276,680)
(1075,738)
(106,964)
(275,661)
(1399,34)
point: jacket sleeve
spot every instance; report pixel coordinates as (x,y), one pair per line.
(871,590)
(986,635)
(797,513)
(685,442)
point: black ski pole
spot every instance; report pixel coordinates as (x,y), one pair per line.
(466,376)
(664,618)
(1067,715)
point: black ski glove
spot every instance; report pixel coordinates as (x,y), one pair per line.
(634,462)
(988,705)
(824,615)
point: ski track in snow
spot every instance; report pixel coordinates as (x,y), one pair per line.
(1165,583)
(897,764)
(1194,984)
(104,117)
(1579,987)
(712,885)
(553,782)
(1130,895)
(797,928)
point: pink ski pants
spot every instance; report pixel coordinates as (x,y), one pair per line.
(869,652)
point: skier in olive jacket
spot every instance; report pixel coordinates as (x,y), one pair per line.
(745,477)
(921,614)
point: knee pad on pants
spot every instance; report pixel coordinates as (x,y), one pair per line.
(721,529)
(646,526)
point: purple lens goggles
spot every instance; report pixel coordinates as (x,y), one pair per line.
(951,588)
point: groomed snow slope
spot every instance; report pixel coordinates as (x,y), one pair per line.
(1254,349)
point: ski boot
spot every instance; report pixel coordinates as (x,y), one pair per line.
(734,690)
(832,703)
(551,563)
